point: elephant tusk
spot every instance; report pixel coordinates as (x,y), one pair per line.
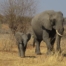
(58,33)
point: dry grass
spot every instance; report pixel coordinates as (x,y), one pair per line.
(9,54)
(11,58)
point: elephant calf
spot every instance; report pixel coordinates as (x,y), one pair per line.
(22,40)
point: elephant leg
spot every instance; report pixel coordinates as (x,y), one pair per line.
(25,48)
(37,50)
(21,50)
(47,40)
(52,44)
(34,43)
(49,46)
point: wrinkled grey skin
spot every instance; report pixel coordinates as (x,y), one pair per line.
(22,40)
(64,20)
(44,26)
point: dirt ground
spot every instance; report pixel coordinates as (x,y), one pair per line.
(9,54)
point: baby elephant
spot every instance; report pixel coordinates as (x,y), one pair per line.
(22,40)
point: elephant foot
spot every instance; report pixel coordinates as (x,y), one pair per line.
(38,52)
(50,53)
(22,55)
(58,52)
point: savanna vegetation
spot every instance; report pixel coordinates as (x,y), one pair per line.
(16,16)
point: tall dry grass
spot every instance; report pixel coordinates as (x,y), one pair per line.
(9,53)
(7,42)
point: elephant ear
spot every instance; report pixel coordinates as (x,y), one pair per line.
(47,24)
(53,21)
(29,36)
(59,13)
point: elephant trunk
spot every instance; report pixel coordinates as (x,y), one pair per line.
(58,33)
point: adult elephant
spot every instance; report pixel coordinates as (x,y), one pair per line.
(22,40)
(48,26)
